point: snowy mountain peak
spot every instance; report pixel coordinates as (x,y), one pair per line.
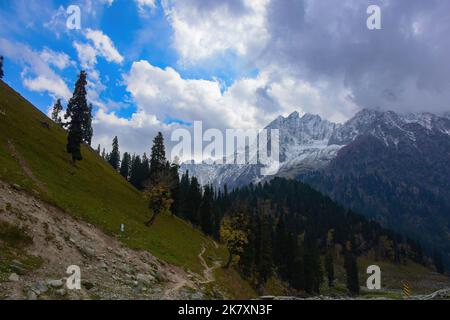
(293,115)
(311,143)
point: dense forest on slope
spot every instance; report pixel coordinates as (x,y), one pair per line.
(288,229)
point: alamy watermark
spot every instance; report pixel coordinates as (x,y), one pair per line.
(374,280)
(235,147)
(374,20)
(73,21)
(73,282)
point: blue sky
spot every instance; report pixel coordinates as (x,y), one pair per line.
(138,34)
(156,65)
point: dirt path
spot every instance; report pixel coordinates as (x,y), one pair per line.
(208,272)
(25,167)
(172,290)
(178,283)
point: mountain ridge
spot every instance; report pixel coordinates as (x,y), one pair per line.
(406,154)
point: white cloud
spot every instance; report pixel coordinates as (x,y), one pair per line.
(200,34)
(99,45)
(58,59)
(247,103)
(87,55)
(104,46)
(54,85)
(143,4)
(37,75)
(108,2)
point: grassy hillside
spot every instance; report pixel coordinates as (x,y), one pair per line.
(32,155)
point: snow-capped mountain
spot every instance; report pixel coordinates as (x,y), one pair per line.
(304,145)
(394,169)
(309,143)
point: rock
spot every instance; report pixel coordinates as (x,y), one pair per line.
(103,265)
(145,279)
(18,267)
(13,277)
(159,277)
(16,187)
(61,292)
(55,283)
(87,252)
(137,289)
(31,295)
(87,284)
(126,268)
(39,288)
(197,296)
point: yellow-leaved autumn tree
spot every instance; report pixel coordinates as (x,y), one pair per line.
(159,201)
(234,233)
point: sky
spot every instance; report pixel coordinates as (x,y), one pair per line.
(158,65)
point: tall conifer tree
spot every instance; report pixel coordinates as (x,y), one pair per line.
(76,111)
(157,159)
(351,270)
(114,157)
(57,108)
(125,165)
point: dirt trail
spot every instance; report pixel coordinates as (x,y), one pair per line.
(179,283)
(208,272)
(173,289)
(25,167)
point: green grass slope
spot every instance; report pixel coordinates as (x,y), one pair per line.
(92,191)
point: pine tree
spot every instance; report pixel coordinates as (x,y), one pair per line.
(114,157)
(206,208)
(329,267)
(264,263)
(438,262)
(76,110)
(144,172)
(104,154)
(193,201)
(99,148)
(248,256)
(297,270)
(135,172)
(313,266)
(351,270)
(1,67)
(182,198)
(125,165)
(157,160)
(281,247)
(57,108)
(175,189)
(88,132)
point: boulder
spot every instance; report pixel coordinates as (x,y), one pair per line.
(39,288)
(13,277)
(145,279)
(55,283)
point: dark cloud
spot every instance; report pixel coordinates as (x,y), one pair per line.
(405,66)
